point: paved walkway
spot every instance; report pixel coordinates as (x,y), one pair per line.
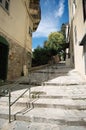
(57,104)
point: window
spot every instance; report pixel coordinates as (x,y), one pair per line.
(0,1)
(30,31)
(74,7)
(84,9)
(75,33)
(5,4)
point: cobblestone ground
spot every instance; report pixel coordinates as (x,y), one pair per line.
(58,104)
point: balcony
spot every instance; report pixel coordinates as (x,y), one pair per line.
(35,12)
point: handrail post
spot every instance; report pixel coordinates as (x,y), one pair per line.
(9,106)
(29,92)
(30,84)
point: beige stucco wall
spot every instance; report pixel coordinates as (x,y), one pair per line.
(16,23)
(78,21)
(80,25)
(14,27)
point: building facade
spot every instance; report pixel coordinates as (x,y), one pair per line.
(18,19)
(77,20)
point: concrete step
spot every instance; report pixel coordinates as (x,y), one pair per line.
(63,82)
(2,123)
(71,78)
(73,91)
(56,116)
(49,102)
(77,92)
(59,96)
(21,125)
(59,103)
(56,103)
(50,92)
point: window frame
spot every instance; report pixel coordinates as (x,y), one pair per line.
(0,1)
(5,5)
(84,9)
(75,35)
(30,31)
(74,7)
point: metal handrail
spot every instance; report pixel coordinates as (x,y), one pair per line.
(11,104)
(4,90)
(45,76)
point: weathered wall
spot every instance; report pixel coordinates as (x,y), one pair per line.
(79,50)
(17,58)
(16,23)
(78,22)
(14,26)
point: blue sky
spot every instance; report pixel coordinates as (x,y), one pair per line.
(53,14)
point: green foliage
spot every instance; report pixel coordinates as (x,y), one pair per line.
(56,38)
(40,56)
(53,46)
(56,41)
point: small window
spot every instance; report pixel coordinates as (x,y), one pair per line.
(0,1)
(75,32)
(5,4)
(30,31)
(84,9)
(74,7)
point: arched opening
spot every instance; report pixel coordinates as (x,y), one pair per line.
(4,48)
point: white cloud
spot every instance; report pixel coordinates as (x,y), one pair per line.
(60,9)
(46,26)
(50,19)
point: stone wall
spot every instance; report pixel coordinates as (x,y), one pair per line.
(19,60)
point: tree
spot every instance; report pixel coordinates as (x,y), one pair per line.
(53,46)
(56,41)
(45,44)
(40,56)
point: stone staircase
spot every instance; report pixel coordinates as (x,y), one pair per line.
(49,107)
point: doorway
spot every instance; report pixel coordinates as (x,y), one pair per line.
(4,48)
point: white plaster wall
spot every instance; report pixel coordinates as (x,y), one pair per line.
(81,27)
(80,24)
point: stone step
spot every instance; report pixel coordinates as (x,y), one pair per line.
(2,123)
(63,83)
(56,116)
(69,79)
(56,103)
(60,102)
(22,125)
(76,92)
(73,91)
(59,96)
(46,115)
